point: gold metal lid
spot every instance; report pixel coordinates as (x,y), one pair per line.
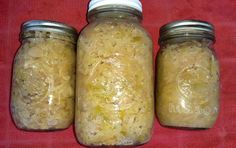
(187,29)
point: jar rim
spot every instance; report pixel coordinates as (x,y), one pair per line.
(187,28)
(49,26)
(115,8)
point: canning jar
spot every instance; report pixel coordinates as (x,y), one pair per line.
(114,102)
(42,96)
(187,75)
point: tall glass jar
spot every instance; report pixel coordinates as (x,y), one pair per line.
(114,102)
(44,76)
(188,75)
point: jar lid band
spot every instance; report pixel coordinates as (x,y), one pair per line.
(187,28)
(50,26)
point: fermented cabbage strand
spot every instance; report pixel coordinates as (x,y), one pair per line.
(188,83)
(43,84)
(114,84)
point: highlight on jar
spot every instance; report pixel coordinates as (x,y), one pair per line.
(115,100)
(43,81)
(187,75)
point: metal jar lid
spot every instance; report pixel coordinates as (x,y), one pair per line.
(49,26)
(187,29)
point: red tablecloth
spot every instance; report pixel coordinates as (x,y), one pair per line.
(156,13)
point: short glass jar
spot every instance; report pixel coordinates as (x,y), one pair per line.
(115,100)
(187,75)
(42,96)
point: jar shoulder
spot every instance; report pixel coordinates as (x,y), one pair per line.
(112,26)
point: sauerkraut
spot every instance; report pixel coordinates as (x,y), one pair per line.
(43,84)
(187,85)
(114,84)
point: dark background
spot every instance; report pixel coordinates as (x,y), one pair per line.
(156,13)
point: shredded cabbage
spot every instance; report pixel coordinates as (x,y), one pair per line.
(187,85)
(43,84)
(114,84)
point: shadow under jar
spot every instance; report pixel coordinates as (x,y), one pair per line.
(187,75)
(114,102)
(44,76)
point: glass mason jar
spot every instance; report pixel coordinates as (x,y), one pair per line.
(114,102)
(188,75)
(44,76)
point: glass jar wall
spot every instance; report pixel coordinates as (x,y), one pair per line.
(187,75)
(44,77)
(114,102)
